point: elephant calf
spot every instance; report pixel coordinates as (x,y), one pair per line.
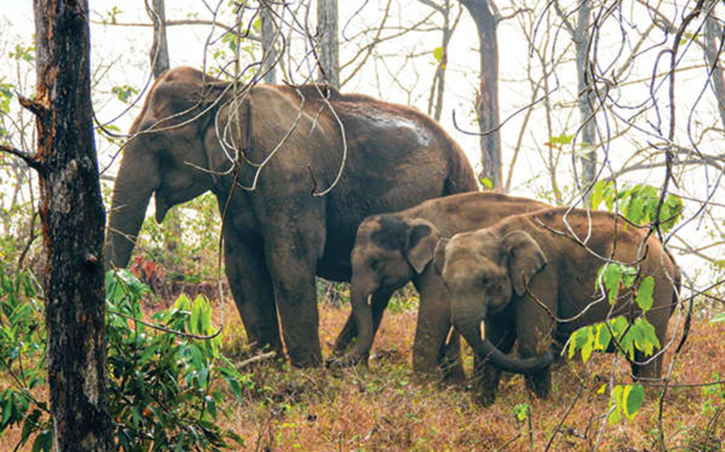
(392,249)
(505,273)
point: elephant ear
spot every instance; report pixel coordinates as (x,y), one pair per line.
(525,259)
(422,240)
(439,258)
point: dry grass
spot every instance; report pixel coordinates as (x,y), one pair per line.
(386,407)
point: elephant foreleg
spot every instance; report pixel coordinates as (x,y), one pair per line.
(292,252)
(251,287)
(430,348)
(535,330)
(349,331)
(486,376)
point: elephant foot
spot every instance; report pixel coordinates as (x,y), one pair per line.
(348,360)
(453,374)
(540,384)
(486,398)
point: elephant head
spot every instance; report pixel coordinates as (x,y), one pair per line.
(388,251)
(483,271)
(170,141)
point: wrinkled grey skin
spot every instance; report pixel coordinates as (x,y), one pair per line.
(393,249)
(279,236)
(503,274)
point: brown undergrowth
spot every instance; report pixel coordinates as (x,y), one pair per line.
(386,407)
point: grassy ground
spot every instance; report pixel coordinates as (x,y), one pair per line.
(386,407)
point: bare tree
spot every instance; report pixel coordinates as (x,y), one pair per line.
(485,16)
(159,49)
(329,57)
(269,38)
(437,89)
(713,31)
(580,36)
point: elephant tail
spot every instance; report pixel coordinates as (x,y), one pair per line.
(461,178)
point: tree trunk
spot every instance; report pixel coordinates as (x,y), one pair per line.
(269,37)
(487,102)
(159,49)
(73,219)
(328,44)
(715,35)
(586,95)
(439,79)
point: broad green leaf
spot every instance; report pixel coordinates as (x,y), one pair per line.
(644,293)
(598,193)
(604,337)
(718,318)
(634,397)
(486,182)
(645,337)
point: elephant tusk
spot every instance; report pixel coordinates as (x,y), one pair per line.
(450,336)
(482,329)
(370,299)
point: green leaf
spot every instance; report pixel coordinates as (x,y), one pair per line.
(438,54)
(486,182)
(645,337)
(604,337)
(634,397)
(611,276)
(521,411)
(562,139)
(598,193)
(718,318)
(644,293)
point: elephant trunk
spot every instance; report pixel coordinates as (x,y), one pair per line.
(131,194)
(362,311)
(469,324)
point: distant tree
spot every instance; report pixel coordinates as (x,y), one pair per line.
(159,49)
(485,16)
(329,55)
(269,38)
(586,99)
(73,220)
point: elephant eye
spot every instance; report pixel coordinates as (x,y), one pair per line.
(485,280)
(374,264)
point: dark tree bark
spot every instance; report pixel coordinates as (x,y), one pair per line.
(73,219)
(269,37)
(486,21)
(159,49)
(327,38)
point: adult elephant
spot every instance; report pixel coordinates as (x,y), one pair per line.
(393,249)
(535,274)
(290,148)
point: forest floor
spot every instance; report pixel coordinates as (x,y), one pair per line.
(387,407)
